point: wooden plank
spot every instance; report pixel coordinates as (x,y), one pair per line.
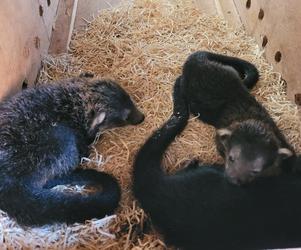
(207,6)
(23,38)
(87,10)
(227,9)
(277,27)
(48,9)
(72,21)
(63,26)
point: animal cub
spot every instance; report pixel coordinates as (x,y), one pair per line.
(216,88)
(197,208)
(44,131)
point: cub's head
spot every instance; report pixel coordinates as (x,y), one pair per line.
(108,106)
(250,148)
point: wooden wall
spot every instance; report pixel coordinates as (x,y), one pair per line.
(74,15)
(276,25)
(87,10)
(25,30)
(63,26)
(28,28)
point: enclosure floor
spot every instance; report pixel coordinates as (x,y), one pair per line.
(143,46)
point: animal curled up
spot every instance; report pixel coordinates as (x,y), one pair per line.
(217,90)
(44,131)
(198,208)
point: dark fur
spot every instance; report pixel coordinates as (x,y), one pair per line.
(197,208)
(219,96)
(44,131)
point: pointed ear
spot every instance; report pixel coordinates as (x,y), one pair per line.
(285,153)
(98,119)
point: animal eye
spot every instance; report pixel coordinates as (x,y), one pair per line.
(231,158)
(126,115)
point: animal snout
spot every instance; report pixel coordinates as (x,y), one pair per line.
(136,118)
(234,180)
(238,178)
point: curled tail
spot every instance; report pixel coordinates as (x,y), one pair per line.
(32,205)
(148,171)
(246,70)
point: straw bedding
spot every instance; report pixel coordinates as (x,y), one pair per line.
(143,45)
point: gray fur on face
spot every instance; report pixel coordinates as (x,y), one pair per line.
(250,148)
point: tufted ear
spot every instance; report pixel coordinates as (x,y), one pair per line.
(98,119)
(285,153)
(224,133)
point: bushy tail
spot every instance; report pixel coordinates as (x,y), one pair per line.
(246,70)
(147,166)
(37,206)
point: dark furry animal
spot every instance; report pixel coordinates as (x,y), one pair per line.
(44,131)
(198,208)
(216,87)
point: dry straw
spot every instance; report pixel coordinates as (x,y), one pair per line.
(143,45)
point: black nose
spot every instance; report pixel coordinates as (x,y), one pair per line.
(139,118)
